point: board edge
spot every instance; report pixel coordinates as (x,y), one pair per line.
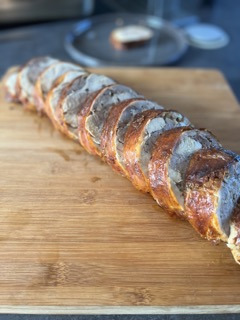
(118,310)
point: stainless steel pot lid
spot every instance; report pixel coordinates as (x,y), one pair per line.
(88,43)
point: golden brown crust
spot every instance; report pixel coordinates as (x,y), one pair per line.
(235,220)
(234,237)
(204,177)
(8,95)
(21,98)
(47,106)
(18,87)
(108,137)
(38,96)
(160,184)
(84,136)
(132,148)
(206,171)
(29,104)
(58,116)
(48,110)
(24,100)
(78,82)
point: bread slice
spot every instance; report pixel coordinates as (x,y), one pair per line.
(74,97)
(95,112)
(234,237)
(212,191)
(115,127)
(130,36)
(170,158)
(47,79)
(9,84)
(27,79)
(140,139)
(54,95)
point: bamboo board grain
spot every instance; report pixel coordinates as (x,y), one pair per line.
(77,238)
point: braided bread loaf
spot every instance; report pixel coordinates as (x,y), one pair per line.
(186,170)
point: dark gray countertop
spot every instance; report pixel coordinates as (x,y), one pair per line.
(19,45)
(123,317)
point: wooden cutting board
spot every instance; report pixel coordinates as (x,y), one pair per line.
(77,238)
